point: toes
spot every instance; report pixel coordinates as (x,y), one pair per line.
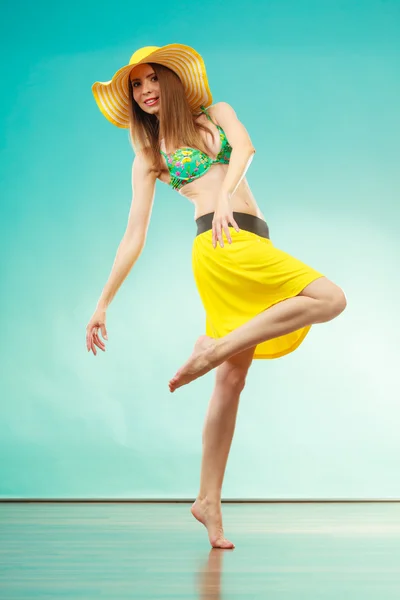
(224,544)
(172,382)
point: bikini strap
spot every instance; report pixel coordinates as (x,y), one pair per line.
(205,111)
(163,153)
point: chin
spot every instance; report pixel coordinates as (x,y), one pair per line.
(151,110)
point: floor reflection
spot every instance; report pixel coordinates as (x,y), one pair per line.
(209,577)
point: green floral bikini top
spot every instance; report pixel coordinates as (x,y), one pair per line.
(187,164)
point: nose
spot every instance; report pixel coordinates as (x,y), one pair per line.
(146,87)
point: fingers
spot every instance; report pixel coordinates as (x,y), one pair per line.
(220,224)
(234,224)
(98,341)
(214,233)
(89,338)
(227,232)
(93,340)
(217,233)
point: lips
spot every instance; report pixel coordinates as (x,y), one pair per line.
(151,101)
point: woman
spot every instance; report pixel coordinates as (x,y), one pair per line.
(259,301)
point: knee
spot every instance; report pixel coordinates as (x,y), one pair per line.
(336,303)
(232,378)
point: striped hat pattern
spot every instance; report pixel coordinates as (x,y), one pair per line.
(112,96)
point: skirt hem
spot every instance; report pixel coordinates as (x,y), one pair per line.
(305,330)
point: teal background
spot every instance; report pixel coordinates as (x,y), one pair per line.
(317,85)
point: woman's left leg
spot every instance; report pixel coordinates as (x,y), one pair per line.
(319,302)
(218,432)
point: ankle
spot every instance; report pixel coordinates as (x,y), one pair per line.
(213,498)
(219,350)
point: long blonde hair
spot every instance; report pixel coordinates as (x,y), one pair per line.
(176,123)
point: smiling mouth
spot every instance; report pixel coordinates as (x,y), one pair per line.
(151,101)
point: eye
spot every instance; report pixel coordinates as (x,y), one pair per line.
(154,78)
(135,83)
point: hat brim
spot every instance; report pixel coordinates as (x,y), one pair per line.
(112,96)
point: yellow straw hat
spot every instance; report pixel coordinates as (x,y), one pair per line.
(112,96)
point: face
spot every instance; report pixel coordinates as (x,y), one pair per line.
(146,88)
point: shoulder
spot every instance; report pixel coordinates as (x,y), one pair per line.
(143,165)
(222,111)
(224,115)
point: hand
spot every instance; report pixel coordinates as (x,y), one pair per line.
(97,321)
(223,215)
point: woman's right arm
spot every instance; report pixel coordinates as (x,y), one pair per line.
(134,238)
(130,247)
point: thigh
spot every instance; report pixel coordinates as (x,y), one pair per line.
(322,289)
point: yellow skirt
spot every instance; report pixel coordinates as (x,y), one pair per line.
(244,278)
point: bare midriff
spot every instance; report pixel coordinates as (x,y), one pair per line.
(203,193)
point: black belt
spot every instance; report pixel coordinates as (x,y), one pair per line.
(244,221)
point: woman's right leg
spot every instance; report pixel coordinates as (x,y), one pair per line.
(218,432)
(319,302)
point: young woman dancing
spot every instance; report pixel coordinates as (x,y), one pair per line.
(260,302)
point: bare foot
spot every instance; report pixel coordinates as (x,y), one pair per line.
(200,362)
(209,513)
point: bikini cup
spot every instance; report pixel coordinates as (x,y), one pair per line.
(187,164)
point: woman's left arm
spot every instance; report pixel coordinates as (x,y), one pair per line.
(242,147)
(241,157)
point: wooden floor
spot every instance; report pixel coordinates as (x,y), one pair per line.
(151,551)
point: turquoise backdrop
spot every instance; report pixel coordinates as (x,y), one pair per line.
(317,84)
